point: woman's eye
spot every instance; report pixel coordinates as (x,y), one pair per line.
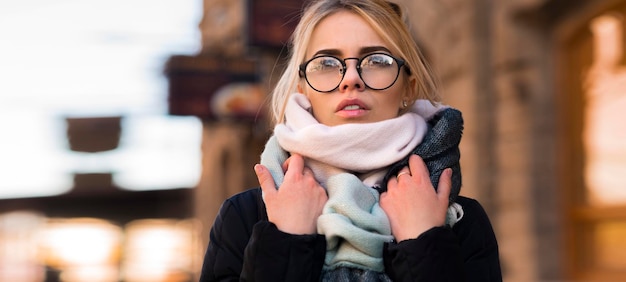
(329,63)
(378,61)
(325,64)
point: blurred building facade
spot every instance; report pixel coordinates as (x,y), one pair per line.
(541,86)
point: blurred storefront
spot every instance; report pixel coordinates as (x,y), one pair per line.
(99,230)
(36,248)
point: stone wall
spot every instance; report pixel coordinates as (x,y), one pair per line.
(494,66)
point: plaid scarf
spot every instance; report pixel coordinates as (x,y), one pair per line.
(350,161)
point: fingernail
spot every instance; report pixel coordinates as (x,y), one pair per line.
(258,168)
(448,172)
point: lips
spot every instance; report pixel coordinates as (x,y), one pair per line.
(351,105)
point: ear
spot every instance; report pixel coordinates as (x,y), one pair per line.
(302,90)
(412,94)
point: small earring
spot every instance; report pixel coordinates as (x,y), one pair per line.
(404,104)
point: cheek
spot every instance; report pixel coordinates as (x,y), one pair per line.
(316,104)
(393,99)
(397,93)
(385,107)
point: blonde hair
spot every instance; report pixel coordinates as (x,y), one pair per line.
(385,17)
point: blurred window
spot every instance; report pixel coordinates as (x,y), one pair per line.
(594,156)
(102,58)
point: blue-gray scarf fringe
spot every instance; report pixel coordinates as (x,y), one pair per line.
(346,274)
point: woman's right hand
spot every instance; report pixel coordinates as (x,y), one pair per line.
(296,205)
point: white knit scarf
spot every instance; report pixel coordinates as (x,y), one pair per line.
(348,160)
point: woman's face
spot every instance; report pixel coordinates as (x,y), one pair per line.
(347,35)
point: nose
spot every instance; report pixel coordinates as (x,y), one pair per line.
(352,79)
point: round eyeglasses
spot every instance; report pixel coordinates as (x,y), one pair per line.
(378,71)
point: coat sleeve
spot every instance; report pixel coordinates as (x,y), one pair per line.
(246,247)
(272,255)
(433,256)
(228,239)
(467,252)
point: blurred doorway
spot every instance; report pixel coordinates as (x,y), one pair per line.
(593,155)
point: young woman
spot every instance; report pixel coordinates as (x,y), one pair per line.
(348,179)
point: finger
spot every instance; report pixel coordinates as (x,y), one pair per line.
(445,185)
(265,179)
(417,166)
(391,184)
(295,165)
(404,171)
(286,164)
(307,172)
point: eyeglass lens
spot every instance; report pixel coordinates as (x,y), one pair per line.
(325,73)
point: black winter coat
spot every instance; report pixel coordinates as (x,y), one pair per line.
(245,246)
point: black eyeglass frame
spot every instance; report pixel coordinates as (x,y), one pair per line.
(401,63)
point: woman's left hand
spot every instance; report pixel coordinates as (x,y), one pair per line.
(411,202)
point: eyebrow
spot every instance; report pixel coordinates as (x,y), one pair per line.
(364,50)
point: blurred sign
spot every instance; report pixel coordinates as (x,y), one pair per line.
(194,80)
(271,22)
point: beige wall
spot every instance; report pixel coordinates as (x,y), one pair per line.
(466,48)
